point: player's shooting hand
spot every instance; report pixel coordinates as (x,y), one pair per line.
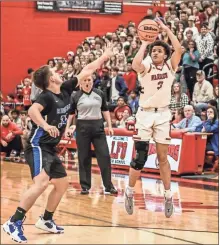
(109,50)
(161,24)
(145,43)
(52,131)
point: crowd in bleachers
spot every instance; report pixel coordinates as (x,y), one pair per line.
(194,101)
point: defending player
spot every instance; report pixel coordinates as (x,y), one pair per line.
(153,116)
(49,114)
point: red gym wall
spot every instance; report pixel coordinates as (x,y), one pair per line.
(29,38)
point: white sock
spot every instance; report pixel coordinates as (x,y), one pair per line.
(130,189)
(167,194)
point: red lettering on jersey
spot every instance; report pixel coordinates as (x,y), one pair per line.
(159,76)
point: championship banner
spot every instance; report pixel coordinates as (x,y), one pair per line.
(121,149)
(174,152)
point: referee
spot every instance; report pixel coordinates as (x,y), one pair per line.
(89,103)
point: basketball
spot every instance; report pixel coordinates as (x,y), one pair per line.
(148,30)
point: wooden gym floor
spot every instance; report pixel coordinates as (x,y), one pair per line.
(101,219)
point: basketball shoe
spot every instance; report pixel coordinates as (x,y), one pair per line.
(129,201)
(168,207)
(15,230)
(48,225)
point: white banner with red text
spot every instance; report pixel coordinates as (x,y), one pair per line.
(121,151)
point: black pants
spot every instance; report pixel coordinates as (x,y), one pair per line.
(15,144)
(87,132)
(190,77)
(209,70)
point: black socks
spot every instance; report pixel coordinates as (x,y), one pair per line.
(19,215)
(48,215)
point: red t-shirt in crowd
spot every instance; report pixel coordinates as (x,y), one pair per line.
(12,127)
(130,79)
(26,96)
(119,111)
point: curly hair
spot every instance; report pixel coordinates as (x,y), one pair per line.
(161,44)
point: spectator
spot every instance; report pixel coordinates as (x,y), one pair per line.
(26,91)
(112,62)
(26,127)
(10,103)
(213,103)
(79,51)
(178,116)
(86,48)
(15,115)
(211,17)
(30,72)
(69,73)
(105,83)
(132,51)
(133,101)
(123,39)
(178,99)
(190,122)
(121,107)
(196,15)
(10,137)
(211,126)
(77,68)
(205,44)
(77,59)
(51,63)
(130,38)
(130,77)
(82,59)
(35,92)
(59,67)
(91,57)
(216,95)
(158,14)
(189,38)
(70,57)
(180,37)
(118,86)
(191,27)
(118,49)
(191,65)
(122,122)
(98,47)
(121,62)
(98,54)
(184,19)
(203,92)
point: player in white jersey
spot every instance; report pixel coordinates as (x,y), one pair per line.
(153,116)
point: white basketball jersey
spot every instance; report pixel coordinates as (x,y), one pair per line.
(156,85)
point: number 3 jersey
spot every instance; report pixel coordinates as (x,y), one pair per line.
(156,83)
(55,113)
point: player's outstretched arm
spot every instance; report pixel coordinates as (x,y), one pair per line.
(137,61)
(176,56)
(92,67)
